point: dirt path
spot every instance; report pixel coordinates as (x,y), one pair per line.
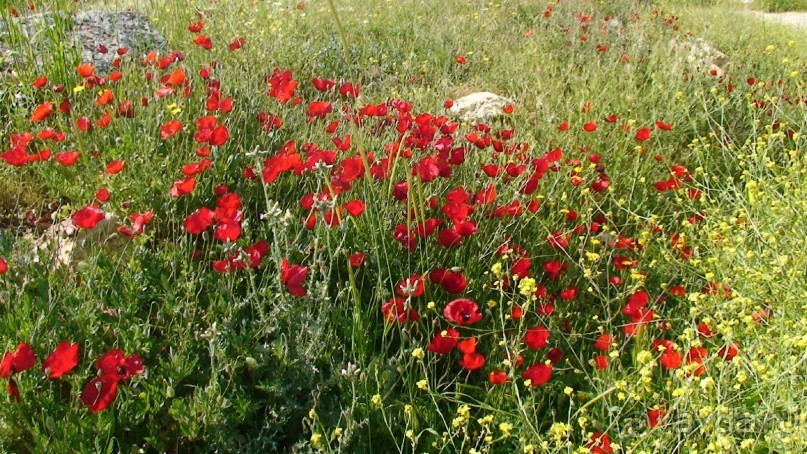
(799,19)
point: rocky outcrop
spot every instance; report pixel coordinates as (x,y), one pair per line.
(479,106)
(702,55)
(92,36)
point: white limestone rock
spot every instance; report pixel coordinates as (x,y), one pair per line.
(479,106)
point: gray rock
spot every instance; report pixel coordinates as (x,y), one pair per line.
(50,34)
(702,55)
(479,106)
(114,30)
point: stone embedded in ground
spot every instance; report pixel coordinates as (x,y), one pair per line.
(43,34)
(64,244)
(114,30)
(479,106)
(702,55)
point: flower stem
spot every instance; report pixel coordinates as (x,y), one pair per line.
(341,31)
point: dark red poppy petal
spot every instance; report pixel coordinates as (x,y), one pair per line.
(100,392)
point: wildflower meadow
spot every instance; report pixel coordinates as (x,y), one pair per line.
(276,234)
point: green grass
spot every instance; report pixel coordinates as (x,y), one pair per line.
(237,362)
(778,6)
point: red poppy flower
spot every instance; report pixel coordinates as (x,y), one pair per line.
(214,102)
(555,355)
(196,27)
(462,311)
(115,363)
(67,158)
(61,361)
(697,355)
(427,228)
(394,310)
(323,85)
(670,359)
(349,90)
(356,259)
(3,266)
(139,221)
(228,232)
(170,128)
(175,78)
(318,109)
(17,156)
(256,252)
(444,341)
(663,126)
(203,41)
(100,392)
(355,207)
(449,238)
(114,167)
(282,85)
(51,134)
(21,359)
(456,211)
(287,159)
(536,337)
(42,112)
(468,345)
(654,415)
(704,330)
(104,97)
(88,217)
(486,196)
(604,342)
(13,390)
(199,221)
(555,269)
(472,361)
(460,59)
(183,186)
(102,195)
(451,281)
(218,136)
(269,121)
(40,82)
(643,134)
(85,70)
(600,362)
(194,168)
(412,286)
(728,352)
(636,301)
(292,277)
(342,144)
(538,374)
(227,207)
(569,293)
(600,443)
(590,126)
(521,268)
(498,377)
(237,44)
